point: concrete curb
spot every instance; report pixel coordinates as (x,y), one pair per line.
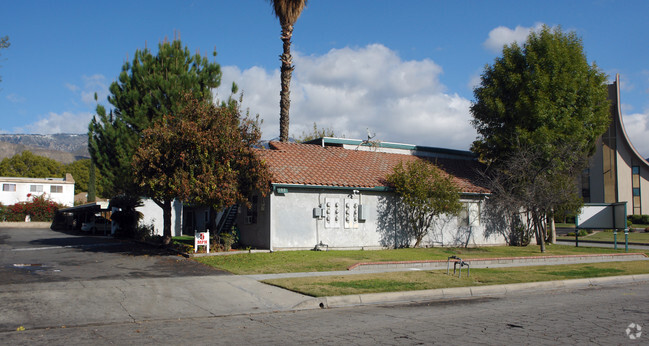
(21,224)
(464,292)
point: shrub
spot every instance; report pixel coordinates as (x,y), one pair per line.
(582,232)
(144,232)
(39,208)
(127,217)
(638,219)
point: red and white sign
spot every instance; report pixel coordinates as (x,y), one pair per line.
(202,239)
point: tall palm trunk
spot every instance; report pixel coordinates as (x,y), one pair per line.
(285,93)
(287,11)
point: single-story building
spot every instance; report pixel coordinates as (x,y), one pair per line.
(59,190)
(332,192)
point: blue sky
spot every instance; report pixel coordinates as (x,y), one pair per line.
(405,70)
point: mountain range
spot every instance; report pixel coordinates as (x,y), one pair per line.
(62,147)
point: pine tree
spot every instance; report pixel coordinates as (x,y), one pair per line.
(147,88)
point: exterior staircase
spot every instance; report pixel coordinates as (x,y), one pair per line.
(228,219)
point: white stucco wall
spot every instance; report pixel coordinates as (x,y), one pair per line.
(292,226)
(23,191)
(152,215)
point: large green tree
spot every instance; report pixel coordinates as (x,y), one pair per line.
(147,88)
(29,165)
(203,155)
(287,11)
(425,193)
(540,100)
(81,172)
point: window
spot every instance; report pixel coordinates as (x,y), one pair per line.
(56,189)
(8,187)
(36,188)
(251,213)
(463,216)
(635,188)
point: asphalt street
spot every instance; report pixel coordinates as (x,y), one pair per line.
(596,316)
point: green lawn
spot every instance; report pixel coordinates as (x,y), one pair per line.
(184,239)
(313,261)
(639,237)
(422,280)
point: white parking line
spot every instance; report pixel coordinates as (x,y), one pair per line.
(61,247)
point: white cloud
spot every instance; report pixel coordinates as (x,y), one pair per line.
(71,87)
(91,85)
(14,98)
(65,122)
(502,36)
(352,89)
(637,126)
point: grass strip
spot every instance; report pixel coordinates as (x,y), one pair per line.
(313,261)
(422,280)
(638,237)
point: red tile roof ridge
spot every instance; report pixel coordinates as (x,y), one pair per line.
(313,164)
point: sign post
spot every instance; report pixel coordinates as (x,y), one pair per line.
(603,216)
(202,239)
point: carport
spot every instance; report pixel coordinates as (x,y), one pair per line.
(72,218)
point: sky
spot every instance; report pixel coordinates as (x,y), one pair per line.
(402,71)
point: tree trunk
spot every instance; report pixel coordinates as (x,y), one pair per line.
(166,217)
(553,229)
(92,190)
(285,93)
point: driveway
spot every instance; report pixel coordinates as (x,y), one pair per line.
(44,255)
(51,279)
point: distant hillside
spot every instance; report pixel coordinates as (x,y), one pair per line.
(65,148)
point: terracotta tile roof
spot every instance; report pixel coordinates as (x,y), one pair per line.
(310,164)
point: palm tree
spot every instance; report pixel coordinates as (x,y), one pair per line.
(287,11)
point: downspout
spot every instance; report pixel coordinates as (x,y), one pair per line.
(317,223)
(271,227)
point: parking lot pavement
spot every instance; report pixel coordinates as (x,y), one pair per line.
(52,279)
(43,255)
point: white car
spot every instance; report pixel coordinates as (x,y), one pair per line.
(98,224)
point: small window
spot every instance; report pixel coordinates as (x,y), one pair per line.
(251,213)
(8,187)
(56,189)
(636,191)
(463,216)
(636,169)
(36,188)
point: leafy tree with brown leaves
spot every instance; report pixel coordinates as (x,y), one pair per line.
(202,155)
(287,11)
(146,89)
